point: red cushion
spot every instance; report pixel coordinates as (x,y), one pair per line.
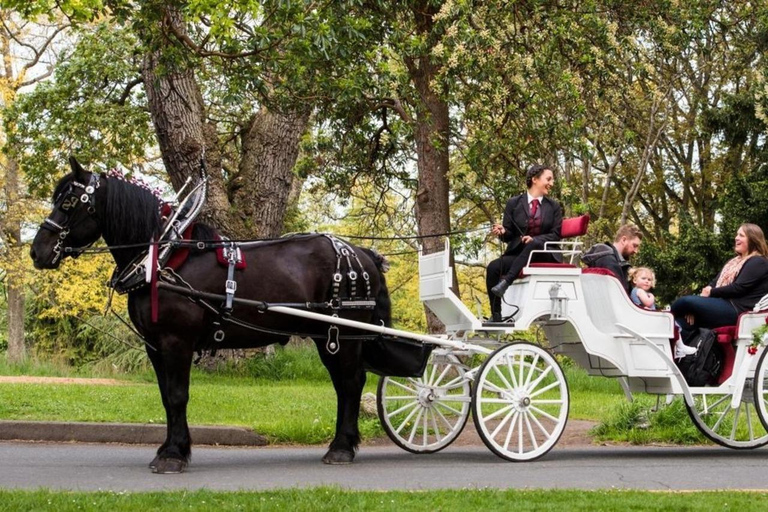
(575,226)
(725,334)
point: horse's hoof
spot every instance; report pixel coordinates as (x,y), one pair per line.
(169,466)
(338,457)
(153,464)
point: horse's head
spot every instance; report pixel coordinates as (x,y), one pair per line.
(71,223)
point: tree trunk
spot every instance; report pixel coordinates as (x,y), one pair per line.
(17,350)
(432,135)
(256,207)
(263,185)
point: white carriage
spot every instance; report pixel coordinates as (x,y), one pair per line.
(518,394)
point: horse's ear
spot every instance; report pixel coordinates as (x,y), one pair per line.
(77,169)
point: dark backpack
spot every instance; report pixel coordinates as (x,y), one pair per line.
(704,366)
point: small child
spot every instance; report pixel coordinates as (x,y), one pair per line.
(644,279)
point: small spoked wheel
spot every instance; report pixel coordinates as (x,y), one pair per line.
(426,414)
(738,427)
(521,402)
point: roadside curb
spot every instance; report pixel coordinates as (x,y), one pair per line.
(127,433)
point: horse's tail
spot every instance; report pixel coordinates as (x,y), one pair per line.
(383,310)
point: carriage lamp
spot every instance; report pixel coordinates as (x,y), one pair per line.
(559,303)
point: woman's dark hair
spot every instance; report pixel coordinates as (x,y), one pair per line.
(534,171)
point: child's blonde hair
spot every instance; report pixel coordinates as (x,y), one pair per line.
(636,271)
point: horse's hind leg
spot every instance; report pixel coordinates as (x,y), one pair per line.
(348,376)
(172,365)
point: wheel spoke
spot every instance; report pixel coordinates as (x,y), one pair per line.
(540,378)
(501,376)
(501,411)
(442,417)
(389,398)
(545,389)
(533,369)
(735,422)
(441,404)
(398,384)
(507,440)
(536,421)
(510,362)
(442,375)
(415,403)
(407,419)
(502,423)
(415,425)
(530,431)
(543,413)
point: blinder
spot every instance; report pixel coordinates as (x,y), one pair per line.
(67,203)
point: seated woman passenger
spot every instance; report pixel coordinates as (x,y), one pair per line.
(737,288)
(530,220)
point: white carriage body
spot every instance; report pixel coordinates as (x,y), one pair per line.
(601,329)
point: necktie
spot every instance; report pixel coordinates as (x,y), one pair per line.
(534,207)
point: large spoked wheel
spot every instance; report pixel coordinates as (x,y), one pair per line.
(426,414)
(521,401)
(761,389)
(737,427)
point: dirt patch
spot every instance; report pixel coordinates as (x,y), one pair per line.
(25,379)
(575,434)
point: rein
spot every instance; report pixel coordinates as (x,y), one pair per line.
(214,244)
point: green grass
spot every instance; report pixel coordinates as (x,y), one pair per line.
(295,412)
(335,499)
(290,399)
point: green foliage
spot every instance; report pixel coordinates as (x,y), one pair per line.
(92,108)
(295,361)
(636,422)
(684,263)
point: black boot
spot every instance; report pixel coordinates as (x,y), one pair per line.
(500,288)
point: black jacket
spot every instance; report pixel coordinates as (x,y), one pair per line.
(515,222)
(750,285)
(605,255)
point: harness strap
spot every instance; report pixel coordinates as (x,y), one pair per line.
(345,251)
(234,256)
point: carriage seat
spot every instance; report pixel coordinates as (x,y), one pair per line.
(726,336)
(572,227)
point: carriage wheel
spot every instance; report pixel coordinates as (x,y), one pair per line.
(761,389)
(521,402)
(426,414)
(739,428)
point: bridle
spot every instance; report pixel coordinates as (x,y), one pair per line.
(68,202)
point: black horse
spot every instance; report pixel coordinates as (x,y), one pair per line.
(294,270)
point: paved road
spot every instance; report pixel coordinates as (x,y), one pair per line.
(118,468)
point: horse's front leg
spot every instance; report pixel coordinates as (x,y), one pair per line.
(175,360)
(157,364)
(348,376)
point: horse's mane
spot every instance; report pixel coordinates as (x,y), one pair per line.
(132,214)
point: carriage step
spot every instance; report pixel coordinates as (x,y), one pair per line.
(492,324)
